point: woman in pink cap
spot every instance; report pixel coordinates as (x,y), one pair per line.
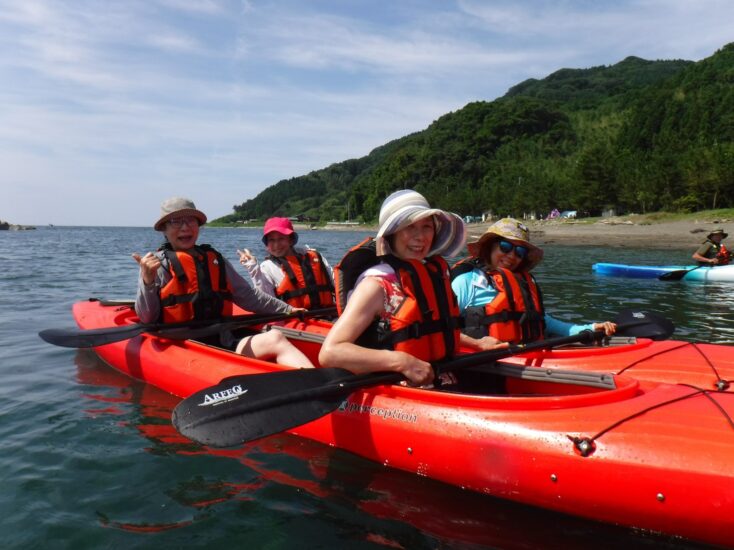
(185,281)
(299,276)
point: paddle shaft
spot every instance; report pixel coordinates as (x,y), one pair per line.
(246,407)
(360,381)
(79,338)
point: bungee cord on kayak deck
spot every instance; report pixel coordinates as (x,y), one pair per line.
(587,445)
(721,384)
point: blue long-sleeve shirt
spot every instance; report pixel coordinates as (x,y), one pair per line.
(473,289)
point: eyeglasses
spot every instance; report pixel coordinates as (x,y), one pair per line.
(520,251)
(180,222)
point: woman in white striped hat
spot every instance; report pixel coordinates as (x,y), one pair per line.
(400,313)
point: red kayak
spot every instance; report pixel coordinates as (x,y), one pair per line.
(636,449)
(707,366)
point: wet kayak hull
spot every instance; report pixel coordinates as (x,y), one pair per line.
(651,455)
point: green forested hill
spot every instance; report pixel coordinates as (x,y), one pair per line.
(636,136)
(589,88)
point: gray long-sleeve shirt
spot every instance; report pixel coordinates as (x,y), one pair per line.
(267,275)
(148,299)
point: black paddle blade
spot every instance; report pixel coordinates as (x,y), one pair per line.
(247,407)
(76,338)
(643,324)
(676,275)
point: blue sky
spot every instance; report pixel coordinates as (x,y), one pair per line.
(107,108)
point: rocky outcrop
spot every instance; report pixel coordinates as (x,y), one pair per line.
(14,227)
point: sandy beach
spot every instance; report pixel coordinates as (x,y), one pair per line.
(619,232)
(665,235)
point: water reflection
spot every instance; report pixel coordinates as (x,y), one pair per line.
(292,476)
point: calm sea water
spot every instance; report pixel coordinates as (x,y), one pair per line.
(89,459)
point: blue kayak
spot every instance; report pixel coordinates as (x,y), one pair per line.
(695,273)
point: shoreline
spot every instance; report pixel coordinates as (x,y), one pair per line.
(683,235)
(614,232)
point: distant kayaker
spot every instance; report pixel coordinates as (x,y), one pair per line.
(299,276)
(393,293)
(713,251)
(499,297)
(184,281)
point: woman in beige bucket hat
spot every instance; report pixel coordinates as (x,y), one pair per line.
(173,271)
(497,295)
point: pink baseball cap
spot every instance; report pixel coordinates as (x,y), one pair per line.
(281,225)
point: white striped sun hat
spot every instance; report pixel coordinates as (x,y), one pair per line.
(405,207)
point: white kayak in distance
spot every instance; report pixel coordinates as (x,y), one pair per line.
(721,273)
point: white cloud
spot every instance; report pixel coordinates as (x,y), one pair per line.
(131,102)
(175,42)
(652,28)
(210,7)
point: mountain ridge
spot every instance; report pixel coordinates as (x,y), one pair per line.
(638,135)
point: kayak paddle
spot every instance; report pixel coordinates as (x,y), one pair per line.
(643,324)
(78,338)
(247,407)
(677,275)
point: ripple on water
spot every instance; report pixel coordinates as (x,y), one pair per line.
(90,460)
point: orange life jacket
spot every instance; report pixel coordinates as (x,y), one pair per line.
(306,282)
(723,255)
(515,314)
(198,288)
(426,324)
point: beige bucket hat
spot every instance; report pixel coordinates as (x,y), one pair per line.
(177,207)
(721,232)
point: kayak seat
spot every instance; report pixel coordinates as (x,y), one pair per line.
(226,340)
(476,383)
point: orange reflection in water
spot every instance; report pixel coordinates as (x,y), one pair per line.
(436,509)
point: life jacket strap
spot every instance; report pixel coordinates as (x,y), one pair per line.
(417,330)
(311,288)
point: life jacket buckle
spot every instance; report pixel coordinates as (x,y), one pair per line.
(413,330)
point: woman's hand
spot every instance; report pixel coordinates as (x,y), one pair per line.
(608,327)
(485,343)
(149,265)
(246,256)
(418,372)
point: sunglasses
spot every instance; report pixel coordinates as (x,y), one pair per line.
(520,251)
